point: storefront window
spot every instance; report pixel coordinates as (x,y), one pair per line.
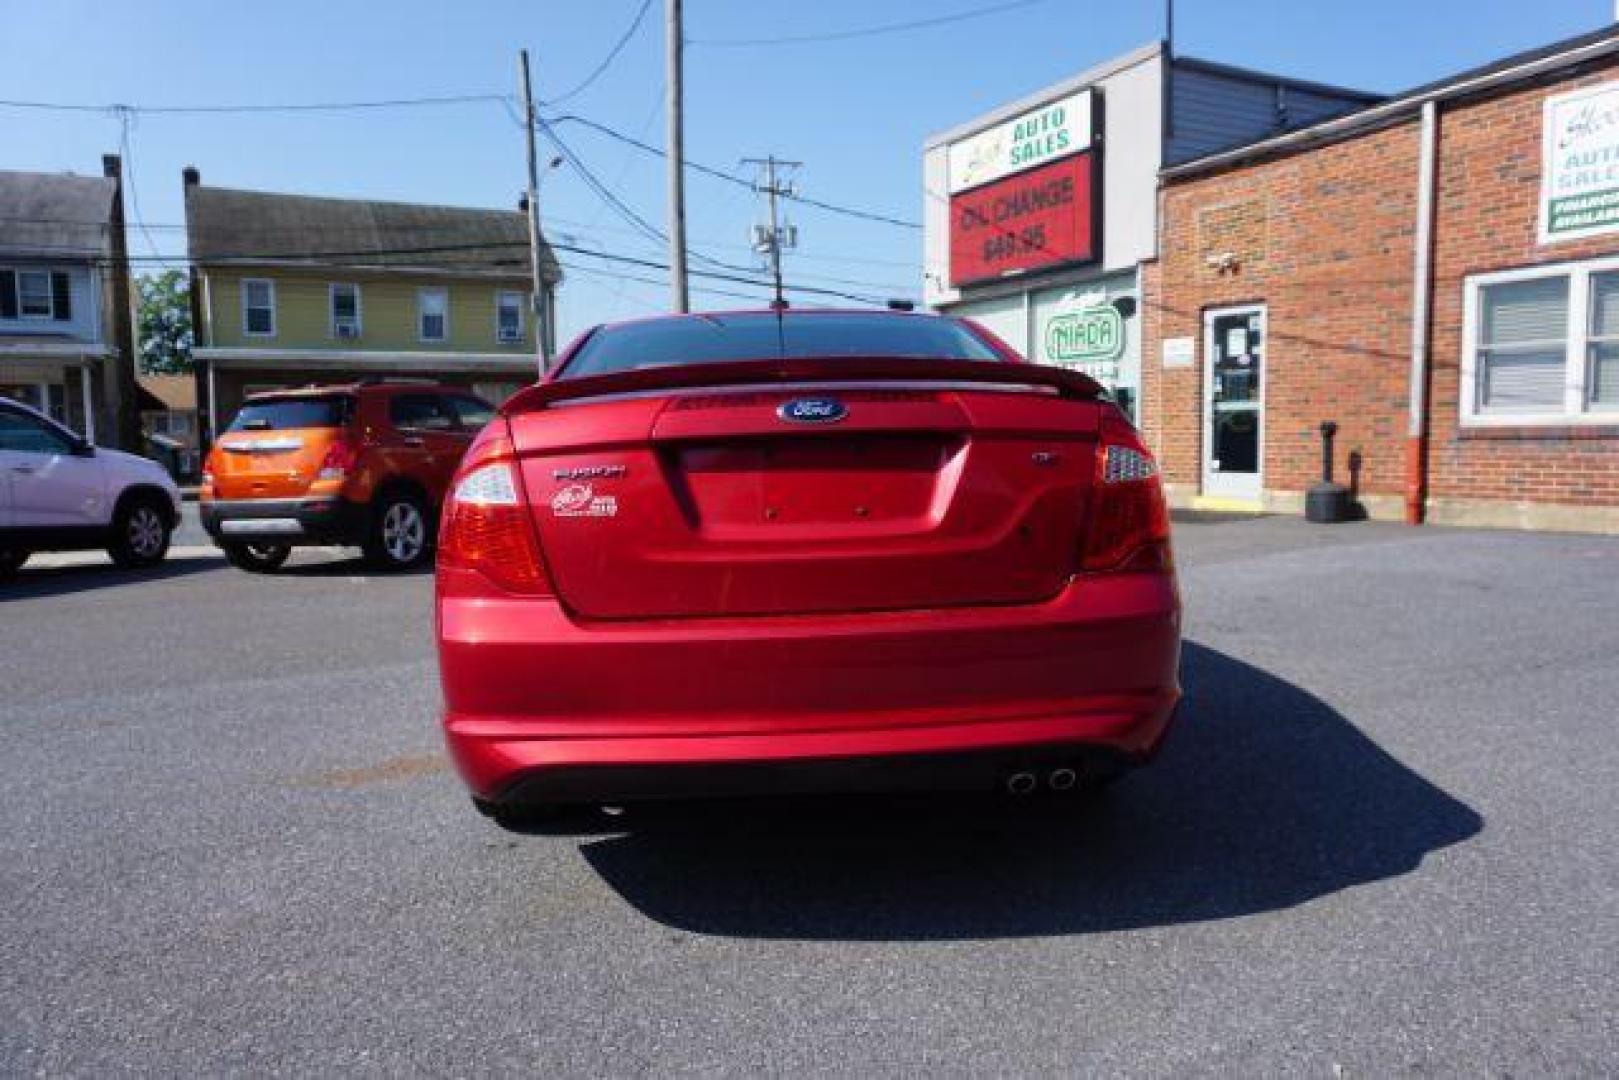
(1092,328)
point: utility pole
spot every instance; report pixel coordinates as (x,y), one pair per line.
(675,47)
(537,307)
(769,239)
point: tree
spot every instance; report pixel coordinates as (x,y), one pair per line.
(163,323)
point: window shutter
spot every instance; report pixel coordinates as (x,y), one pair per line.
(1529,381)
(61,296)
(8,294)
(1524,311)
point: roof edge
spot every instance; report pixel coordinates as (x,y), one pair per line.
(203,189)
(1520,67)
(1089,77)
(1216,67)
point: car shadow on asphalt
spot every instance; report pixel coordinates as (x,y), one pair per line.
(1265,797)
(64,580)
(345,566)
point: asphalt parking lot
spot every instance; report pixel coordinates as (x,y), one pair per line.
(1385,838)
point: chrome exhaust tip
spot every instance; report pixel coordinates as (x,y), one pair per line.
(1062,779)
(1021,783)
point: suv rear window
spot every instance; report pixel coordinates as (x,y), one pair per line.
(281,414)
(420,412)
(766,336)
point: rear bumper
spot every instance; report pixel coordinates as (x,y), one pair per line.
(315,520)
(539,705)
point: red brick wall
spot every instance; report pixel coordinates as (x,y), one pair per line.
(1324,238)
(1333,267)
(1486,219)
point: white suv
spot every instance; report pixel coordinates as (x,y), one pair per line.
(60,493)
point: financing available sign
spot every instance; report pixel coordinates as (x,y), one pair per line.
(1579,175)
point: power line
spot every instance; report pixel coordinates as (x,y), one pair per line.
(569,226)
(729,177)
(607,61)
(316,259)
(245,107)
(869,31)
(126,120)
(607,195)
(597,271)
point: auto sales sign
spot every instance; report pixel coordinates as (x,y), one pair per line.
(1022,194)
(1579,178)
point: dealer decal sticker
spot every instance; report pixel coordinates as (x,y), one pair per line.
(581,500)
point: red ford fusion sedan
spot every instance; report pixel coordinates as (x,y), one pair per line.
(793,551)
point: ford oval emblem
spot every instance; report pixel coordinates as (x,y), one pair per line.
(813,410)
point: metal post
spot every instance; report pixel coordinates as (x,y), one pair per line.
(775,229)
(775,235)
(1328,430)
(542,347)
(1416,432)
(677,158)
(89,404)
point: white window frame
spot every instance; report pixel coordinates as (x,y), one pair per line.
(50,294)
(331,309)
(421,313)
(269,286)
(522,320)
(1576,363)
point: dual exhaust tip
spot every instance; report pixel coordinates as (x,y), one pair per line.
(1026,783)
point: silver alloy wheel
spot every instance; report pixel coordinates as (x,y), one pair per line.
(145,532)
(403,532)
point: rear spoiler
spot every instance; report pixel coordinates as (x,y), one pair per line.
(755,374)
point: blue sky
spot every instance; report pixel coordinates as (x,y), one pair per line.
(854,111)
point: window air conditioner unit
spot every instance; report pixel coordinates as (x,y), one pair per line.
(348,329)
(510,335)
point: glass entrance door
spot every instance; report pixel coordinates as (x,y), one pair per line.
(1233,395)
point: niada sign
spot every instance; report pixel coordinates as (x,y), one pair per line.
(1040,135)
(1092,338)
(1579,173)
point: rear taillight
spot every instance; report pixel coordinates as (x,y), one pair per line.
(1129,520)
(487,525)
(341,457)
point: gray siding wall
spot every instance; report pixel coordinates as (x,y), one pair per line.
(85,325)
(1213,111)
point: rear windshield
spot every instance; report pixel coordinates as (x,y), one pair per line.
(280,414)
(765,336)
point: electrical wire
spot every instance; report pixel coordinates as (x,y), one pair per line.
(516,262)
(869,31)
(729,177)
(607,195)
(607,61)
(293,107)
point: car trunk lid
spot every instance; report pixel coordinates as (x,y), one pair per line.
(713,496)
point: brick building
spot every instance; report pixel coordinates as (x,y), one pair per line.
(1438,274)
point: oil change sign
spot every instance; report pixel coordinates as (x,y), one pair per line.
(1579,177)
(1090,339)
(1032,139)
(1033,220)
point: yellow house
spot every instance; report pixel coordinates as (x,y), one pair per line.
(289,290)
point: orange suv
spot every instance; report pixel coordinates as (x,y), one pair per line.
(364,465)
